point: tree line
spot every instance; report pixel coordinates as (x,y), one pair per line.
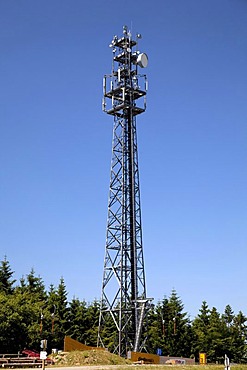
(30,313)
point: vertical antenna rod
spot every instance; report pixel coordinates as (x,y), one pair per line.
(123,299)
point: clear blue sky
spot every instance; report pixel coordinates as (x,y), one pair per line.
(55,144)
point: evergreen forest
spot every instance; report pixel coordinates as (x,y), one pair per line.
(30,313)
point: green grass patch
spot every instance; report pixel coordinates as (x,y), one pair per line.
(107,360)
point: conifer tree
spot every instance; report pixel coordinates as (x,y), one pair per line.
(228,316)
(170,328)
(179,329)
(6,281)
(58,307)
(77,320)
(34,284)
(239,333)
(200,327)
(216,337)
(155,334)
(92,323)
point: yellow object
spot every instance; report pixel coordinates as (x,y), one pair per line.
(202,358)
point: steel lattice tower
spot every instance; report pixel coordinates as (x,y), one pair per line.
(123,302)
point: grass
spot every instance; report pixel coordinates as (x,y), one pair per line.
(190,367)
(194,367)
(107,359)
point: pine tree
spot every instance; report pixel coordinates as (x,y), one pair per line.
(92,322)
(170,328)
(216,337)
(57,306)
(77,320)
(179,328)
(228,316)
(6,281)
(200,327)
(157,320)
(239,333)
(34,284)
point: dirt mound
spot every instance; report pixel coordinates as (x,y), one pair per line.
(93,357)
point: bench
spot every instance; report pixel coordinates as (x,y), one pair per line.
(20,362)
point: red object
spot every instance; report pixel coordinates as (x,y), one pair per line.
(30,353)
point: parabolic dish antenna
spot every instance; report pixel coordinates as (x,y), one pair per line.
(142,60)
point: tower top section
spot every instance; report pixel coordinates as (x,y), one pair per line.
(125,85)
(125,45)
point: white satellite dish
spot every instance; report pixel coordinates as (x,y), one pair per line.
(142,60)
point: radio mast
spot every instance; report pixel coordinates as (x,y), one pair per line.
(124,304)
